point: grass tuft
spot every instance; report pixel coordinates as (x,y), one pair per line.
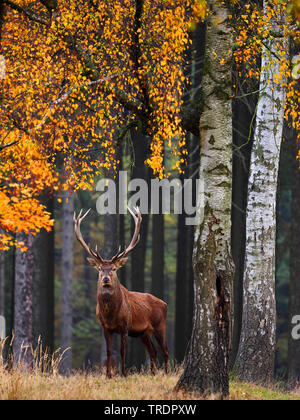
(43,382)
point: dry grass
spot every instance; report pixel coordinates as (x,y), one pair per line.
(16,384)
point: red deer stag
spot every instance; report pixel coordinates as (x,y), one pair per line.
(123,312)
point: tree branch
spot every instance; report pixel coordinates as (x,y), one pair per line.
(26,12)
(136,50)
(4,146)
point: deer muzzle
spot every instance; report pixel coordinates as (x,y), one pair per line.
(106,281)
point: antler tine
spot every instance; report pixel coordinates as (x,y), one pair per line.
(136,237)
(77,223)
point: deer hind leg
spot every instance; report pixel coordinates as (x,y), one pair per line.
(161,340)
(148,343)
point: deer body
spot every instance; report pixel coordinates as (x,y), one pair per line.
(123,312)
(139,313)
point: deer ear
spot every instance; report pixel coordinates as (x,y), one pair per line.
(120,263)
(93,263)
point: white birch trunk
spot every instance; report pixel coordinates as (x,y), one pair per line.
(255,360)
(206,364)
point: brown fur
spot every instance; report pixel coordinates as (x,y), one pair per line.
(123,312)
(130,313)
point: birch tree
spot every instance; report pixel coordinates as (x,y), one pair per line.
(206,364)
(255,360)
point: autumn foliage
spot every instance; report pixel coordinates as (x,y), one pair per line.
(254,29)
(81,74)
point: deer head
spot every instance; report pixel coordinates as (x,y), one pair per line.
(108,280)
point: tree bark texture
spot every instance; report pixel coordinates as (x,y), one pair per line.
(206,365)
(255,359)
(66,283)
(22,345)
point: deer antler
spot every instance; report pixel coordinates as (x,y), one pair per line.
(77,223)
(136,237)
(134,241)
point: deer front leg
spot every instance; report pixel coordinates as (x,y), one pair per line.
(124,337)
(109,342)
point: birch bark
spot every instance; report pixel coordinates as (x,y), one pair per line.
(206,364)
(255,360)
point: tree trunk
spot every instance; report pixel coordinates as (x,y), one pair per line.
(43,288)
(185,237)
(22,345)
(184,296)
(110,249)
(158,257)
(66,283)
(2,283)
(243,111)
(255,360)
(206,365)
(122,225)
(138,256)
(181,298)
(294,303)
(194,160)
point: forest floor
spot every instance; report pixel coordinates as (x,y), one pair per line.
(17,385)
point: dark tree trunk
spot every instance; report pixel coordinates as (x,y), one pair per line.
(138,256)
(66,283)
(158,256)
(2,283)
(43,288)
(122,226)
(184,298)
(22,346)
(294,303)
(294,292)
(110,249)
(181,298)
(243,110)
